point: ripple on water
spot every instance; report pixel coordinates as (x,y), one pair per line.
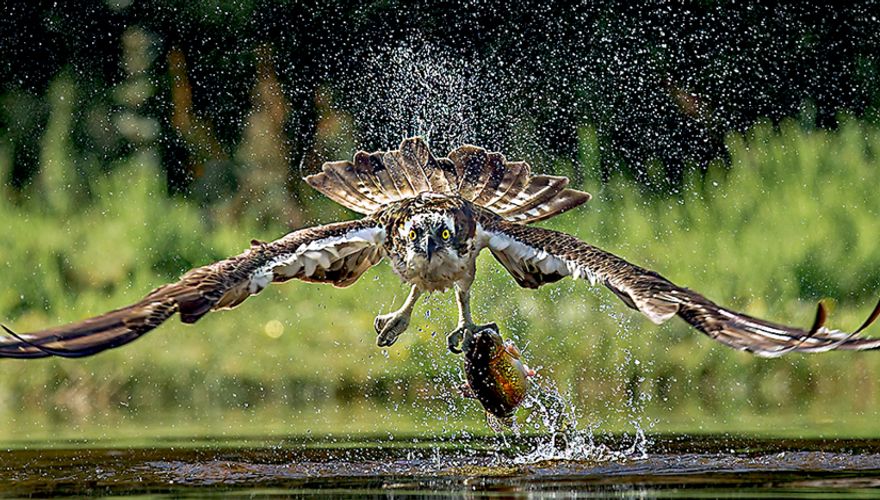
(715,465)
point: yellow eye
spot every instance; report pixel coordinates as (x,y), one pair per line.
(412,236)
(445,234)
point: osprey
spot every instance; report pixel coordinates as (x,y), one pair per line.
(431,217)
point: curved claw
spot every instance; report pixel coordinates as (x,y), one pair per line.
(379,322)
(455,338)
(459,340)
(389,327)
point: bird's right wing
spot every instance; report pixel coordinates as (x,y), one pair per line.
(535,256)
(335,253)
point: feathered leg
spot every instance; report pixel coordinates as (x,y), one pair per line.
(459,340)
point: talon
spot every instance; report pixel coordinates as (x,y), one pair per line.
(468,337)
(455,338)
(380,322)
(467,340)
(389,327)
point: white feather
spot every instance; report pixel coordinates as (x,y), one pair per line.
(259,281)
(498,243)
(309,266)
(519,253)
(322,252)
(319,257)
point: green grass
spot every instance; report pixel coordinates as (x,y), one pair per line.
(793,219)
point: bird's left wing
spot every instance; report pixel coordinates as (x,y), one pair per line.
(336,253)
(535,256)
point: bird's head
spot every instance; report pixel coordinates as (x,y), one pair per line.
(429,236)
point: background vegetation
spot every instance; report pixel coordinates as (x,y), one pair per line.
(793,219)
(136,153)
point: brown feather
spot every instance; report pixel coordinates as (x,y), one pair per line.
(413,157)
(524,249)
(365,180)
(220,285)
(376,180)
(515,178)
(442,174)
(383,178)
(470,163)
(540,189)
(329,187)
(345,175)
(562,202)
(398,175)
(491,179)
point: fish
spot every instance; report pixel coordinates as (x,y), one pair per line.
(496,375)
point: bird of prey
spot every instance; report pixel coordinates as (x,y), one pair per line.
(430,217)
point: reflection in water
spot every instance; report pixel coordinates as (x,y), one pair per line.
(676,465)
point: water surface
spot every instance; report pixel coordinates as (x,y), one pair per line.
(671,465)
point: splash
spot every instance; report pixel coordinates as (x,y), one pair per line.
(449,96)
(554,414)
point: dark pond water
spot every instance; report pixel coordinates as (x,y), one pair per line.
(670,466)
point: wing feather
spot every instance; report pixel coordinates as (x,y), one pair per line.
(516,175)
(374,180)
(471,162)
(350,186)
(414,155)
(336,253)
(398,174)
(367,181)
(330,183)
(535,256)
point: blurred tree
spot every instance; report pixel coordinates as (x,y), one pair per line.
(660,83)
(201,158)
(264,152)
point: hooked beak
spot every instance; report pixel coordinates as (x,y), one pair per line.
(431,247)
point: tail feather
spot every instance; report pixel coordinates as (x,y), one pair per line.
(471,164)
(365,166)
(487,179)
(347,180)
(337,189)
(514,178)
(492,179)
(398,175)
(540,188)
(364,180)
(412,157)
(443,176)
(383,176)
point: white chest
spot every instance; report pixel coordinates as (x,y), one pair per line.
(437,274)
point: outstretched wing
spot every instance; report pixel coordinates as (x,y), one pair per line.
(336,253)
(535,256)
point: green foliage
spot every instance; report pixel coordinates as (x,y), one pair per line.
(792,219)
